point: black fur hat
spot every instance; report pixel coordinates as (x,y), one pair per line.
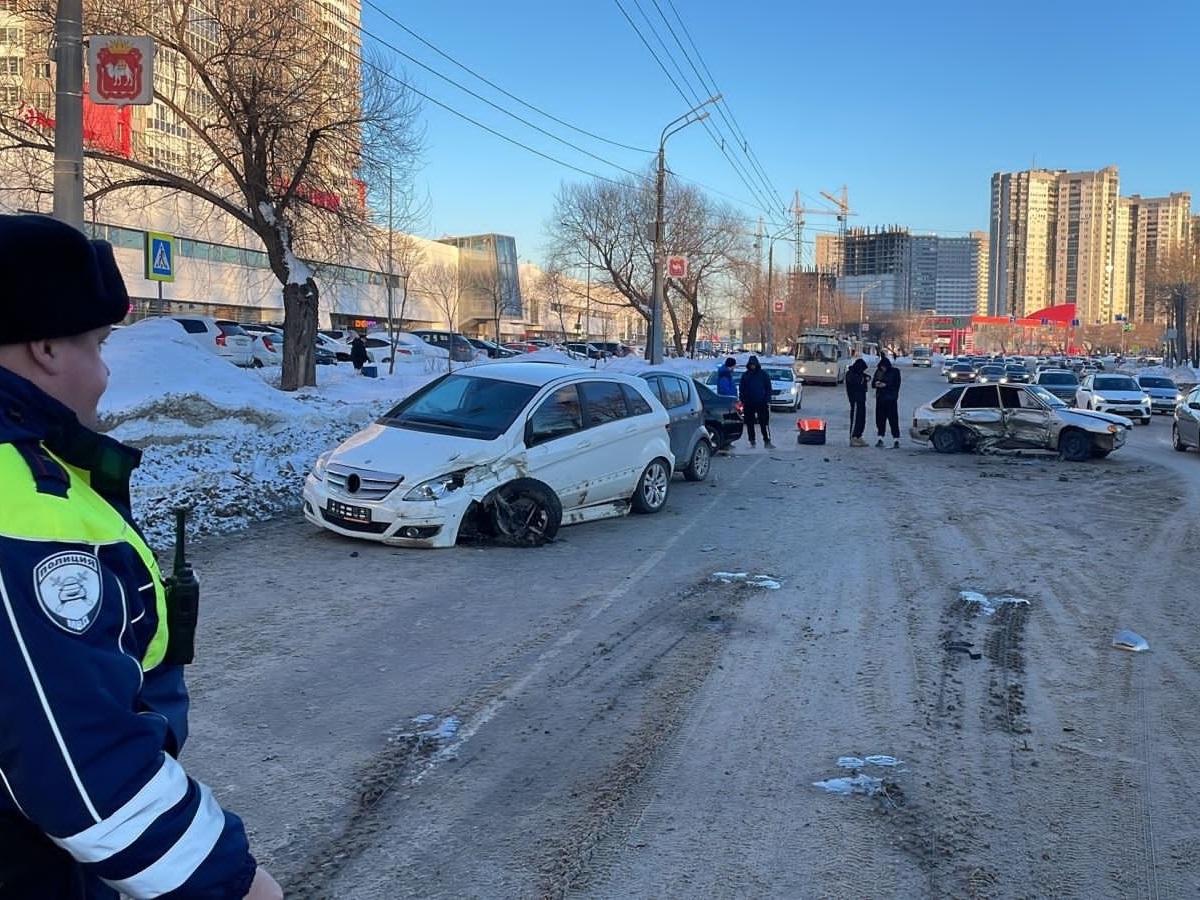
(57,282)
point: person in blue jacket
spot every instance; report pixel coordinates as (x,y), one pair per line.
(93,708)
(755,392)
(726,386)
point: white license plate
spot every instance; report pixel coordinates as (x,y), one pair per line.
(358,514)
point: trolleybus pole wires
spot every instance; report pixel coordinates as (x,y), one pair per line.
(766,204)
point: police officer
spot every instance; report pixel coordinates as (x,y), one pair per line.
(93,713)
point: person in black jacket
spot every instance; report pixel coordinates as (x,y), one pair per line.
(887,400)
(358,353)
(755,393)
(856,393)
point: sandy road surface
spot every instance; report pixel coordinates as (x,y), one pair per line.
(604,719)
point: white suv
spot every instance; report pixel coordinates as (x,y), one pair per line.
(227,341)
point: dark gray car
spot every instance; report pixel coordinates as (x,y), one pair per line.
(690,442)
(1060,382)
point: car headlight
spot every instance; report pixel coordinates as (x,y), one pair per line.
(1098,398)
(1113,429)
(435,488)
(318,469)
(1179,398)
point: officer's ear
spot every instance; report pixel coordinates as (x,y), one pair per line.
(47,354)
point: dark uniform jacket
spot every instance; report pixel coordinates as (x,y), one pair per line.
(91,720)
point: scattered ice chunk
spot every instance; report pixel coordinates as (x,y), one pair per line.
(884,761)
(1130,640)
(858,762)
(762,581)
(855,784)
(989,605)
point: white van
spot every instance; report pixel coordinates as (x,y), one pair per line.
(922,356)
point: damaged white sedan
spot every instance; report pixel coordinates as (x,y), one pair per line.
(1014,417)
(508,451)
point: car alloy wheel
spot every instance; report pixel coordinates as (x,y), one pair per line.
(1176,441)
(697,469)
(652,487)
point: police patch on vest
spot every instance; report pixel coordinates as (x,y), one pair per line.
(69,589)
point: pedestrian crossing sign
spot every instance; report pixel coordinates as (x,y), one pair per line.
(160,256)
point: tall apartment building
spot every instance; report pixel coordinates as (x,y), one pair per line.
(1020,242)
(1069,237)
(1155,228)
(947,273)
(893,271)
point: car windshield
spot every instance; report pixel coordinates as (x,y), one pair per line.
(1045,396)
(474,407)
(1115,383)
(779,374)
(991,370)
(1151,381)
(1057,378)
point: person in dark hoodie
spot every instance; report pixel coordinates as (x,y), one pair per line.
(856,392)
(755,393)
(358,353)
(887,400)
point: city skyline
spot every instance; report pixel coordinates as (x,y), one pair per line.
(913,119)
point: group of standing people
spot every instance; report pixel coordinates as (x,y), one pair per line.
(886,382)
(754,390)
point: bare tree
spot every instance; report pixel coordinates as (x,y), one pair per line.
(604,226)
(440,282)
(273,127)
(1175,286)
(486,282)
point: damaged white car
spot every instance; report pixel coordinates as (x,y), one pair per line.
(507,451)
(1015,416)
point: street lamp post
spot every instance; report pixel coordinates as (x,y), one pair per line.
(655,348)
(770,308)
(68,111)
(862,304)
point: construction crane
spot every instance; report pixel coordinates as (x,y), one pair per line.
(843,212)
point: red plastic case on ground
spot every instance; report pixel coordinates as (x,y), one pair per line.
(810,431)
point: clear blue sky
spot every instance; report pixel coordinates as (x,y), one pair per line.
(911,106)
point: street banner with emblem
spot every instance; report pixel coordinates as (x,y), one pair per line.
(121,69)
(677,266)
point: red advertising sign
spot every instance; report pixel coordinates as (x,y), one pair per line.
(121,70)
(677,267)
